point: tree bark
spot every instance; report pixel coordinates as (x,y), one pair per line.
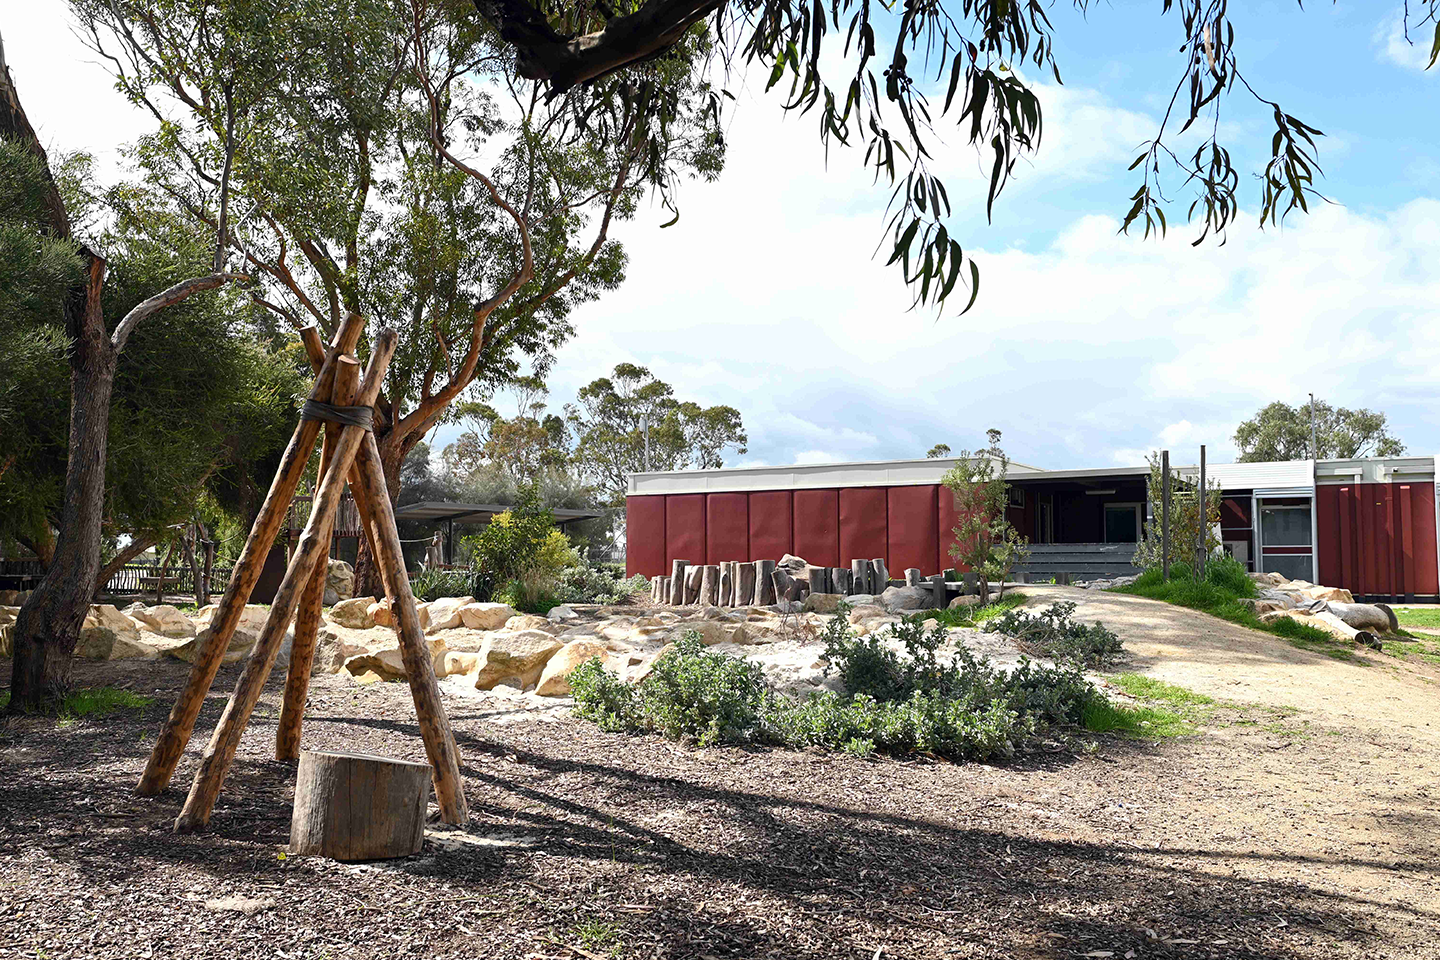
(369,582)
(50,620)
(133,549)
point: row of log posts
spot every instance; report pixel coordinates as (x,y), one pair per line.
(736,583)
(351,453)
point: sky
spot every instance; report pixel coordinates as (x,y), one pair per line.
(1087,348)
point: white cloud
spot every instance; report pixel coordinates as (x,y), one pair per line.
(1412,53)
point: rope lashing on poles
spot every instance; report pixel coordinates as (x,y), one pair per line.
(345,416)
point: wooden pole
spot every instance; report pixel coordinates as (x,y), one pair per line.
(710,585)
(1200,502)
(764,582)
(307,618)
(1165,515)
(178,727)
(860,576)
(310,337)
(414,653)
(220,751)
(746,589)
(677,582)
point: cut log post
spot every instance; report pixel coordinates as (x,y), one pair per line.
(745,591)
(414,653)
(860,576)
(764,582)
(881,575)
(170,744)
(817,578)
(735,567)
(912,577)
(694,578)
(220,751)
(939,596)
(839,580)
(710,585)
(677,582)
(782,582)
(727,585)
(307,618)
(351,806)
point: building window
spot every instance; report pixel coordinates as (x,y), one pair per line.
(1285,526)
(1017,496)
(1122,523)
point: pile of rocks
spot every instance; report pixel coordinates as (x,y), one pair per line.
(1332,609)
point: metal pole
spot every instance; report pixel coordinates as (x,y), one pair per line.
(1204,515)
(1314,444)
(1165,514)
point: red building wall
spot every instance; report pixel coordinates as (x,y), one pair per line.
(771,523)
(1378,539)
(816,527)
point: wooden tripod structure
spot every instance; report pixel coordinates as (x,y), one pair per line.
(340,401)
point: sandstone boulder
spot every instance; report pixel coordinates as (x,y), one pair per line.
(523,655)
(339,582)
(242,641)
(1329,594)
(823,603)
(713,631)
(445,612)
(554,679)
(866,611)
(529,621)
(353,613)
(163,619)
(486,616)
(965,601)
(379,613)
(562,612)
(381,656)
(459,663)
(905,598)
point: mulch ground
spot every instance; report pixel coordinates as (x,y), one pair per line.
(586,844)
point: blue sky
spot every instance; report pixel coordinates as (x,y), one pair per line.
(1086,348)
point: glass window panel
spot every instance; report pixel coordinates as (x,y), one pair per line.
(1285,526)
(1120,524)
(1294,566)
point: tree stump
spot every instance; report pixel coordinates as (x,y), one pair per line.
(746,588)
(677,582)
(860,577)
(764,582)
(912,577)
(353,806)
(880,574)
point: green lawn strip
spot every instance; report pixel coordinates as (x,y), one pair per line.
(1410,645)
(1224,603)
(971,616)
(1164,710)
(1427,618)
(98,702)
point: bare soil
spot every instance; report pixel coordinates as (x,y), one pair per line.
(1300,822)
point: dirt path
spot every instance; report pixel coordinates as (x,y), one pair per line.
(1372,693)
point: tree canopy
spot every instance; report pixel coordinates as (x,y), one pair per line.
(882,77)
(1282,432)
(608,419)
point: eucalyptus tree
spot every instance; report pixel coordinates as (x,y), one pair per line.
(389,161)
(609,419)
(44,221)
(883,76)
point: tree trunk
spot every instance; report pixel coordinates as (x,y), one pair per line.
(368,580)
(137,546)
(50,620)
(351,806)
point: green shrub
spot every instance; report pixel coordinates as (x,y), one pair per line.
(598,583)
(432,584)
(522,554)
(960,708)
(1054,634)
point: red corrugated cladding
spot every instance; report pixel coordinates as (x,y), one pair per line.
(911,535)
(645,536)
(770,525)
(684,529)
(863,524)
(815,535)
(1378,539)
(727,527)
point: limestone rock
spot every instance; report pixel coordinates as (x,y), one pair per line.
(353,613)
(554,679)
(242,641)
(905,598)
(1329,594)
(861,599)
(523,655)
(791,564)
(339,582)
(713,631)
(965,601)
(486,616)
(459,662)
(445,612)
(562,612)
(822,603)
(866,611)
(379,613)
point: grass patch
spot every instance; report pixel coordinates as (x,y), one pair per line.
(1427,618)
(1148,688)
(1220,592)
(1166,710)
(98,702)
(1421,648)
(971,616)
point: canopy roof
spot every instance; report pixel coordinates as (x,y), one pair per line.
(480,512)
